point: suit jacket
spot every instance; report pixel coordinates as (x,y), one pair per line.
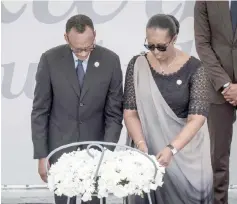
(216,44)
(63,112)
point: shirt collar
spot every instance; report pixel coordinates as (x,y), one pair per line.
(76,58)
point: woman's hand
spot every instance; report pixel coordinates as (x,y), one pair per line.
(164,157)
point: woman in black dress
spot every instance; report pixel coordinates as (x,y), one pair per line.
(165,109)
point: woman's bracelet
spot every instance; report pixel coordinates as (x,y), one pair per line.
(140,142)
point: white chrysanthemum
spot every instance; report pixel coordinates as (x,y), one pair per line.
(121,173)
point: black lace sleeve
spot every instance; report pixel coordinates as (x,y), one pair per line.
(199,93)
(129,101)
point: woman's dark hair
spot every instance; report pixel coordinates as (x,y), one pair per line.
(79,22)
(164,21)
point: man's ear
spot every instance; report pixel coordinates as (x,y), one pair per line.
(65,37)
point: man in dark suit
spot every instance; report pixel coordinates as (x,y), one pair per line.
(78,94)
(215,25)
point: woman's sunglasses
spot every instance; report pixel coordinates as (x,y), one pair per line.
(159,47)
(152,47)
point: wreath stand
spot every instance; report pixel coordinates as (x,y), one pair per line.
(99,145)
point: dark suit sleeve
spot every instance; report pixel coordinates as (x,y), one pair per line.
(113,108)
(41,109)
(202,30)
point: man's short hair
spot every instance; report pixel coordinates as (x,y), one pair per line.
(79,22)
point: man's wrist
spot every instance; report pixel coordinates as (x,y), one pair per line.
(225,86)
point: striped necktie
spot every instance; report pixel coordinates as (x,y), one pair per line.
(80,72)
(233,13)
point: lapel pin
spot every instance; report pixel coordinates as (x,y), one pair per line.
(179,82)
(97,64)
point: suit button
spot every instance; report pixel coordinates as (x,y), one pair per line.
(80,122)
(81,104)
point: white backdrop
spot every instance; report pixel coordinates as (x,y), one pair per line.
(30,28)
